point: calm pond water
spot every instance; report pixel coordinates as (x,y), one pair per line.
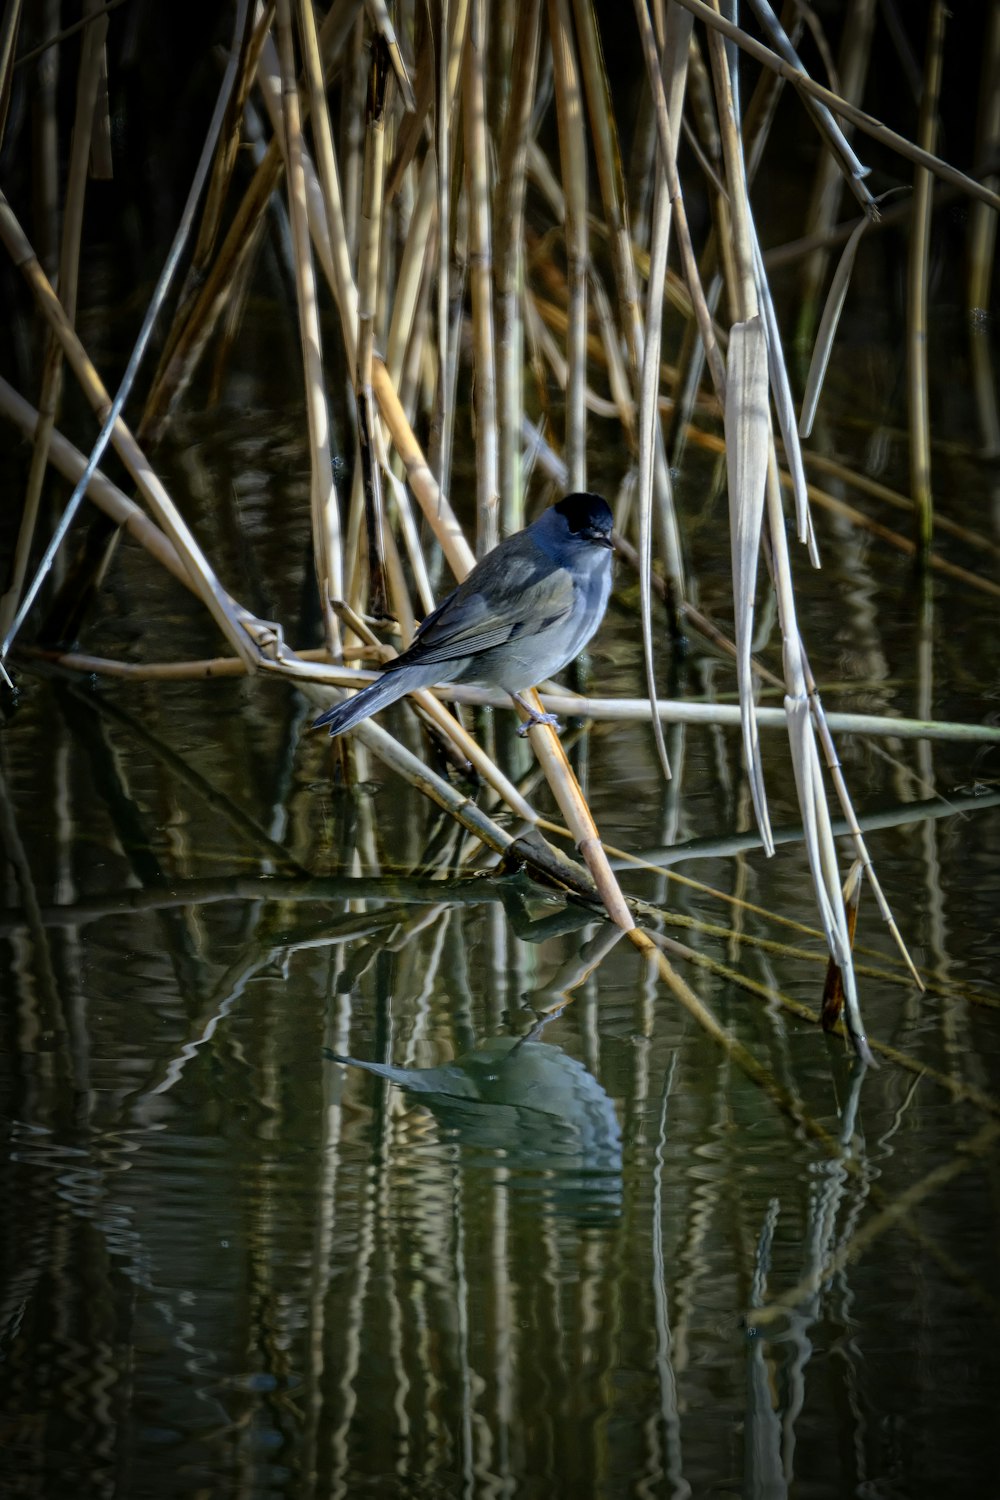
(307,1193)
(486,1256)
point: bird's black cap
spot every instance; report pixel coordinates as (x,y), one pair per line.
(588,515)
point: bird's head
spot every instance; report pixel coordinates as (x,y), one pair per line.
(583,517)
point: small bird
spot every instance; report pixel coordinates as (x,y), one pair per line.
(526,609)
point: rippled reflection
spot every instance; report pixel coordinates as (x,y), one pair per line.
(526,1109)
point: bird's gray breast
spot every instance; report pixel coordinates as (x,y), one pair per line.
(540,649)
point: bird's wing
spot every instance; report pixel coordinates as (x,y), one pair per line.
(526,594)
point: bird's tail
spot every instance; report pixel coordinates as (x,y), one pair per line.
(378,694)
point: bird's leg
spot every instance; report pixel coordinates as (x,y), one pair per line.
(534,717)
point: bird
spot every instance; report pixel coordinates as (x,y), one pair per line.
(524,611)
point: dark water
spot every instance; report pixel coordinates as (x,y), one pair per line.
(494,1254)
(466,1264)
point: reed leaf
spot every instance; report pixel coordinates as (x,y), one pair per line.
(827,332)
(748,439)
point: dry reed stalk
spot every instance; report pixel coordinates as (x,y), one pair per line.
(703,128)
(411,539)
(747,451)
(649,432)
(71,463)
(668,157)
(437,511)
(982,244)
(418,376)
(840,107)
(508,221)
(67,614)
(610,346)
(852,75)
(379,15)
(749,443)
(370,226)
(175,371)
(573,162)
(187,340)
(801,708)
(322,494)
(825,501)
(743,289)
(756,127)
(412,128)
(675,59)
(419,254)
(229,144)
(352,128)
(833,990)
(249,44)
(88,77)
(864,859)
(610,176)
(344,290)
(640,176)
(443,431)
(481,280)
(311,665)
(754,479)
(151,487)
(837,143)
(45,143)
(10,23)
(101,162)
(329,234)
(749,289)
(918,396)
(565,788)
(451,43)
(781,397)
(654,485)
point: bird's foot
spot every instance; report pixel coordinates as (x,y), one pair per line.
(537,718)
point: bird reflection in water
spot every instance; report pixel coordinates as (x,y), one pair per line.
(528,1107)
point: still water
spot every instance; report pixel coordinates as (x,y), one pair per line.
(317,1183)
